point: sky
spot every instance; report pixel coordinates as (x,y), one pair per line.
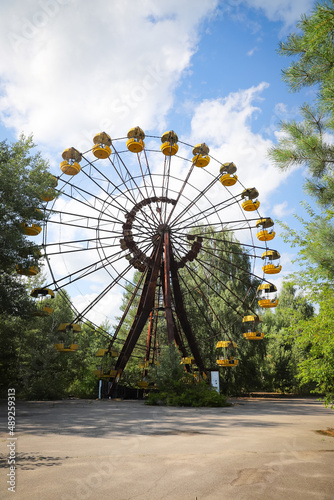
(207,69)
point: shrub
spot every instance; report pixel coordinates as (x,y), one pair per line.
(186,394)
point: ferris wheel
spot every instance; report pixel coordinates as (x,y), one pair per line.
(168,211)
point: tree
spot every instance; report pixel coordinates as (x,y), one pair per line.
(179,388)
(223,282)
(24,177)
(283,350)
(314,50)
(317,342)
(309,143)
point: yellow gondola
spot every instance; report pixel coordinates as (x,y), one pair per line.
(60,347)
(252,332)
(32,230)
(42,292)
(225,344)
(50,193)
(201,158)
(187,360)
(265,222)
(27,271)
(227,361)
(265,235)
(169,145)
(267,295)
(103,352)
(254,335)
(147,364)
(106,369)
(268,256)
(100,373)
(144,364)
(102,148)
(70,329)
(144,384)
(70,165)
(272,269)
(136,137)
(228,179)
(44,309)
(249,205)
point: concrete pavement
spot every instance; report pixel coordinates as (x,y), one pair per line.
(121,450)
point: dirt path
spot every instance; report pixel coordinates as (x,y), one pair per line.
(121,450)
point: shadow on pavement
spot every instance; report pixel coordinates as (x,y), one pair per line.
(110,418)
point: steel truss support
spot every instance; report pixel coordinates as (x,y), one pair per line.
(163,264)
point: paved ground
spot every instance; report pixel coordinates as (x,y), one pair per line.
(121,450)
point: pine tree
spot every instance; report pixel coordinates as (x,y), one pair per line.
(309,143)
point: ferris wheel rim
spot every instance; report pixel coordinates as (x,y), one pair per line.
(152,174)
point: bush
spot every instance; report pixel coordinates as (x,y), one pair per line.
(185,394)
(176,387)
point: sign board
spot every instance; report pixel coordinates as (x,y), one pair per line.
(215,380)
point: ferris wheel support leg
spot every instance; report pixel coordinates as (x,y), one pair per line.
(149,341)
(145,306)
(181,314)
(176,333)
(180,344)
(173,334)
(167,292)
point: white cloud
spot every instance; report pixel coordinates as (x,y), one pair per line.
(108,308)
(69,69)
(251,52)
(281,210)
(225,125)
(287,11)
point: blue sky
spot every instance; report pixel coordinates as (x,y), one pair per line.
(207,69)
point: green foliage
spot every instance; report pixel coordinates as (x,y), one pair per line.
(179,388)
(213,291)
(170,369)
(24,177)
(28,359)
(315,240)
(315,338)
(306,339)
(313,51)
(309,143)
(194,395)
(283,351)
(30,363)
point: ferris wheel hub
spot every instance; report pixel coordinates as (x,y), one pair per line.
(163,228)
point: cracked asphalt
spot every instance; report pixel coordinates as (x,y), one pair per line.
(259,448)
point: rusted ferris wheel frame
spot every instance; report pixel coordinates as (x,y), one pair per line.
(163,229)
